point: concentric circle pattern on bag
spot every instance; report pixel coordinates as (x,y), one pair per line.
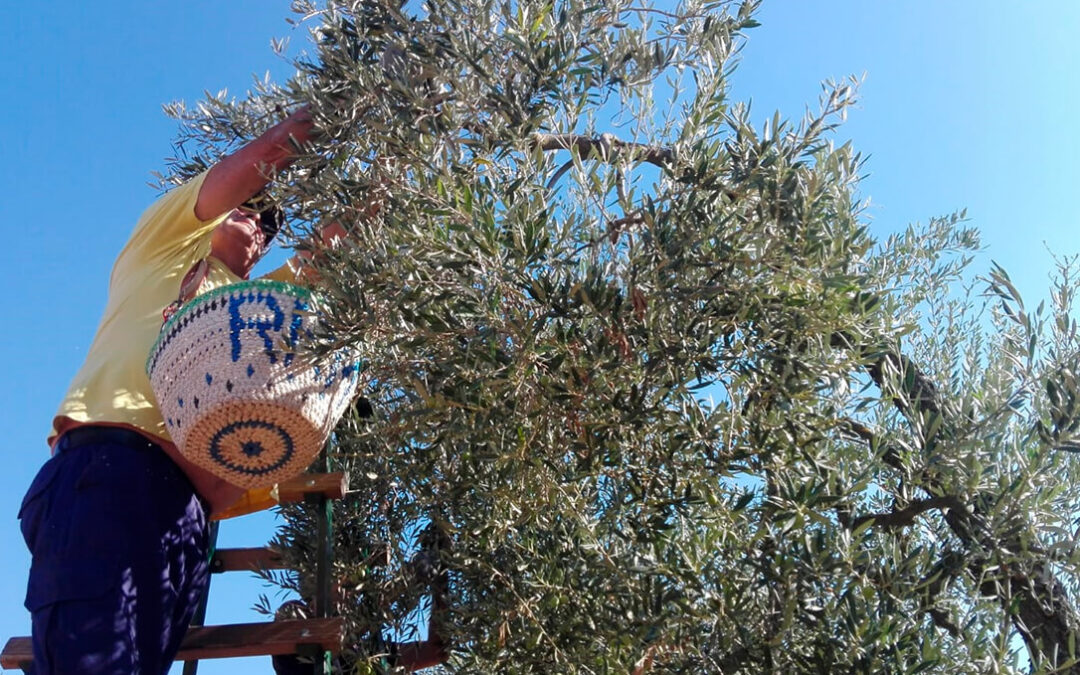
(237,399)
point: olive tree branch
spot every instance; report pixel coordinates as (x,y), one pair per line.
(1034,599)
(898,518)
(606,147)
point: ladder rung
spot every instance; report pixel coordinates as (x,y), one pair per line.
(262,639)
(221,642)
(331,485)
(246,560)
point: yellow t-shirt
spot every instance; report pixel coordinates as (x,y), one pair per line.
(112,387)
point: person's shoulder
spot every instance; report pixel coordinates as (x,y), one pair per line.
(186,191)
(169,225)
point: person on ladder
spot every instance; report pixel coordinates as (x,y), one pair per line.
(116,520)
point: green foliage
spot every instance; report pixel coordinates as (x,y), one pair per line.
(647,367)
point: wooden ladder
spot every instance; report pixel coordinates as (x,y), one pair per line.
(319,637)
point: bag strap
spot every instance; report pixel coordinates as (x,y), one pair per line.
(189,288)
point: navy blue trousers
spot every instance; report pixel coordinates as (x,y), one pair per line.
(119,543)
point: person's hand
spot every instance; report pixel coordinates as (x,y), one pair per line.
(301,114)
(329,236)
(301,118)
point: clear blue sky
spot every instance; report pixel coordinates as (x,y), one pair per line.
(965,104)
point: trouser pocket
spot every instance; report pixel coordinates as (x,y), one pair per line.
(35,504)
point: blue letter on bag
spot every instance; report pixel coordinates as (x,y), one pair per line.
(263,326)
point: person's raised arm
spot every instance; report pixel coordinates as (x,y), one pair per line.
(239,176)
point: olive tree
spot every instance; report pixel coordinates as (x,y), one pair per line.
(642,361)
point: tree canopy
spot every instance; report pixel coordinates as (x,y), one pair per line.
(646,365)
